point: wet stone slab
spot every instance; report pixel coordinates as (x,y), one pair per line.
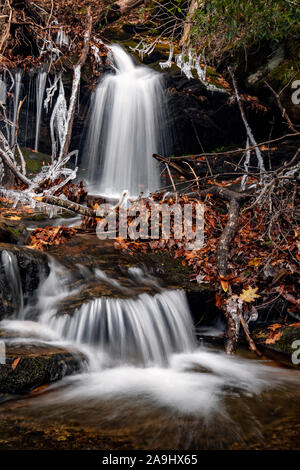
(28,365)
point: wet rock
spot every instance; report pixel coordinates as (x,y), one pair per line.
(21,270)
(29,365)
(205,119)
(12,232)
(280,341)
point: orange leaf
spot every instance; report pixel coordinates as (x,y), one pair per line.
(15,363)
(274,338)
(224,284)
(275,326)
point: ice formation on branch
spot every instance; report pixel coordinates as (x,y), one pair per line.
(50,92)
(58,121)
(95,50)
(168,63)
(62,39)
(143,48)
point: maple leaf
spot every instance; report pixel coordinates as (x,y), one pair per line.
(249,295)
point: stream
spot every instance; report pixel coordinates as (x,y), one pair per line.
(145,380)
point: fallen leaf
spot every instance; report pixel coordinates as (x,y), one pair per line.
(249,295)
(224,284)
(15,363)
(274,338)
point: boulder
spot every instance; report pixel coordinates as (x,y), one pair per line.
(21,270)
(29,365)
(280,341)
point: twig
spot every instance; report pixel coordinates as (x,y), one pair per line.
(232,152)
(250,135)
(282,109)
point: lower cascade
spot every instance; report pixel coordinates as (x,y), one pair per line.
(127,125)
(145,329)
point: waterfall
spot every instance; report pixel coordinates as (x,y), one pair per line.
(40,89)
(127,125)
(17,91)
(145,329)
(11,269)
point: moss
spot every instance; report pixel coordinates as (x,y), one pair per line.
(116,35)
(282,74)
(279,340)
(33,166)
(37,365)
(35,160)
(11,233)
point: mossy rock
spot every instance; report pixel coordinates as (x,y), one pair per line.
(278,340)
(12,232)
(35,160)
(29,365)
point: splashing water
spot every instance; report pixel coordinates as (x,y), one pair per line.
(126,127)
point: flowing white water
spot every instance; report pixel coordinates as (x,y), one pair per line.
(11,268)
(40,90)
(142,355)
(146,329)
(127,125)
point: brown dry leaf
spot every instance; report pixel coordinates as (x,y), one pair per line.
(15,363)
(249,295)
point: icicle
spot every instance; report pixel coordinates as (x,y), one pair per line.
(187,65)
(168,63)
(201,72)
(62,39)
(95,50)
(3,90)
(143,48)
(40,89)
(18,82)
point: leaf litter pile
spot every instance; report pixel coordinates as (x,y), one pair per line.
(264,261)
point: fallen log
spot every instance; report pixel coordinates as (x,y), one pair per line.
(66,204)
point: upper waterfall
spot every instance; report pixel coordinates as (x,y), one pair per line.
(127,125)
